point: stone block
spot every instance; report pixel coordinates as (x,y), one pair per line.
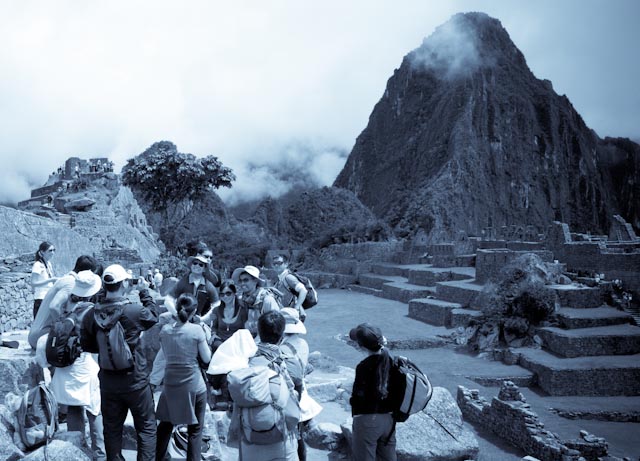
(324,436)
(432,311)
(462,317)
(59,450)
(607,340)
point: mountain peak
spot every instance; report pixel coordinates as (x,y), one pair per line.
(464,44)
(466,137)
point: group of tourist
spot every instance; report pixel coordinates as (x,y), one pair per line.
(205,315)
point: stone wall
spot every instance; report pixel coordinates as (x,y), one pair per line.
(355,258)
(596,258)
(490,262)
(511,418)
(16,296)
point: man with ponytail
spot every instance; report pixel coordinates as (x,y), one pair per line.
(373,398)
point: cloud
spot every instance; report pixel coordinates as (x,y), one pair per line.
(298,164)
(451,51)
(244,80)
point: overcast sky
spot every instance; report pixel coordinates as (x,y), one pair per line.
(265,82)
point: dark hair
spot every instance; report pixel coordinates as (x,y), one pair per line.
(85,263)
(271,327)
(185,306)
(44,246)
(370,337)
(382,373)
(112,287)
(228,283)
(284,257)
(196,247)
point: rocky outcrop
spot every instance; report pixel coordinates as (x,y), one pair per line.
(436,434)
(22,233)
(465,137)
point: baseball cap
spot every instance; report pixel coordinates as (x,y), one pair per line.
(115,273)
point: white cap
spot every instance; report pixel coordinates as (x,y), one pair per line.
(115,273)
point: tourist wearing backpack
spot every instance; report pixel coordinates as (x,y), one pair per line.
(258,299)
(278,441)
(56,297)
(184,396)
(76,383)
(293,289)
(113,329)
(374,398)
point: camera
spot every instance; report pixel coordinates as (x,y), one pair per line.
(134,281)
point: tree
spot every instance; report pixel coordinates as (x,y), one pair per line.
(167,177)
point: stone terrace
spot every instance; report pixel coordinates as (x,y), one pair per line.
(594,352)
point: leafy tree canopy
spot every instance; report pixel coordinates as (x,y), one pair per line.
(164,176)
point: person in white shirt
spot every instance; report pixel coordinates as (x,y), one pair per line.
(157,278)
(42,277)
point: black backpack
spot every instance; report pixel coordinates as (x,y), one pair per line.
(312,296)
(63,343)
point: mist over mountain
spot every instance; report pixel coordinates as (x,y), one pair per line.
(298,164)
(465,137)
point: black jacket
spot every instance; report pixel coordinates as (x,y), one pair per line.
(135,319)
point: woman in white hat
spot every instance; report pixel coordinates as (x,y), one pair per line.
(258,299)
(77,385)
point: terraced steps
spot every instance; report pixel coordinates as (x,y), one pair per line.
(432,311)
(365,290)
(589,376)
(377,281)
(404,292)
(592,317)
(579,342)
(458,291)
(578,297)
(429,276)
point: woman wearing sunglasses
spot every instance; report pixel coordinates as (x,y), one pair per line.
(229,317)
(42,274)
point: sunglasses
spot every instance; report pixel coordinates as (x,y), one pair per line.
(198,263)
(244,279)
(51,250)
(207,256)
(278,263)
(76,299)
(227,293)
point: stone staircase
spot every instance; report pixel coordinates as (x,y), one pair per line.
(595,350)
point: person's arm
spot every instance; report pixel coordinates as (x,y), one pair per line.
(203,348)
(148,316)
(38,276)
(357,393)
(59,294)
(299,288)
